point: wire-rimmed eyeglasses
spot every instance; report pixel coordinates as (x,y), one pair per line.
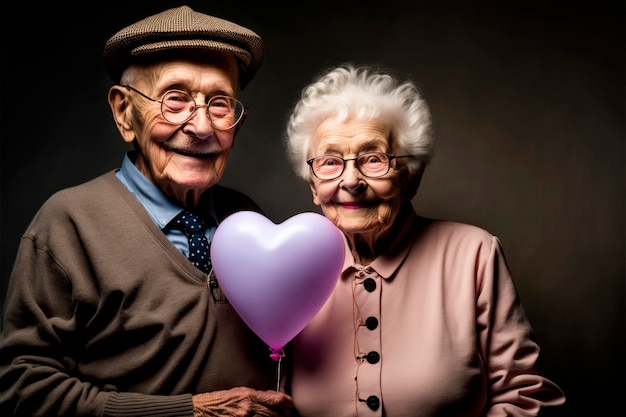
(177,107)
(370,164)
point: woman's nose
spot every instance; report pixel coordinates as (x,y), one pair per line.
(352,178)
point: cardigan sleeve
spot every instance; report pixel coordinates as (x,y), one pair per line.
(36,365)
(517,386)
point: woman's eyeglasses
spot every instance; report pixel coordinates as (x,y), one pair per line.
(370,164)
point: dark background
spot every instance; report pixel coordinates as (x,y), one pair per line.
(528,104)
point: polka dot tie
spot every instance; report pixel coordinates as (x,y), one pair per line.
(193,227)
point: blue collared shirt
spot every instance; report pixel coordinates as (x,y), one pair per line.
(158,206)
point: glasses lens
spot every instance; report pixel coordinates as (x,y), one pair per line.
(327,167)
(224,112)
(177,106)
(373,164)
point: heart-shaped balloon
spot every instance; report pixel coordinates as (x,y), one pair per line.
(277,276)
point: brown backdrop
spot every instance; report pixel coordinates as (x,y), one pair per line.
(528,103)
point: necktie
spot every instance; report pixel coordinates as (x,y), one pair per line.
(193,227)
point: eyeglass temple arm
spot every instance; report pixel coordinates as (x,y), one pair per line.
(244,115)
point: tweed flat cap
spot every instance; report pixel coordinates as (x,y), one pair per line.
(183,30)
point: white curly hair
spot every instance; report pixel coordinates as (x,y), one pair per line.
(348,91)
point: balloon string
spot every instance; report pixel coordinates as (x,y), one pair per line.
(278,376)
(277,355)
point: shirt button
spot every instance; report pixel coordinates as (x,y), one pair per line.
(371,323)
(373,357)
(369,285)
(373,402)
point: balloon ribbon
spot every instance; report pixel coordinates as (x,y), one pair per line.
(277,355)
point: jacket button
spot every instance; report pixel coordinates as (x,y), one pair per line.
(371,323)
(373,357)
(369,285)
(373,402)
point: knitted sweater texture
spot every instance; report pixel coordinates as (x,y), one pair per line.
(105,317)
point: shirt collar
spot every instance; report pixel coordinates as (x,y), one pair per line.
(389,261)
(161,209)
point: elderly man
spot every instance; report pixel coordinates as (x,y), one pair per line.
(113,308)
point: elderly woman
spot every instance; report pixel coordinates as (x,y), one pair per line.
(425,319)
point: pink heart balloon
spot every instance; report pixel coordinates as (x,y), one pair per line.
(277,276)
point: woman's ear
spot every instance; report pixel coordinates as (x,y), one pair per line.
(120,107)
(316,199)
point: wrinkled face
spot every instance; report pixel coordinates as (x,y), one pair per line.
(355,203)
(190,157)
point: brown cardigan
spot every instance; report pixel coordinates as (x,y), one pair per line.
(105,317)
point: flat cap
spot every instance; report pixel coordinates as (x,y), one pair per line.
(181,30)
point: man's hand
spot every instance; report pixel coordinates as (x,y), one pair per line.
(242,402)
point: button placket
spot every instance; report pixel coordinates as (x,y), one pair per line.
(367,298)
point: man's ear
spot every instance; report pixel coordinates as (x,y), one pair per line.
(119,103)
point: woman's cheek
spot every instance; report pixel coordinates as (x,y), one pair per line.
(326,192)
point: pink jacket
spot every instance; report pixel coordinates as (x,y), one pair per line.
(433,327)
